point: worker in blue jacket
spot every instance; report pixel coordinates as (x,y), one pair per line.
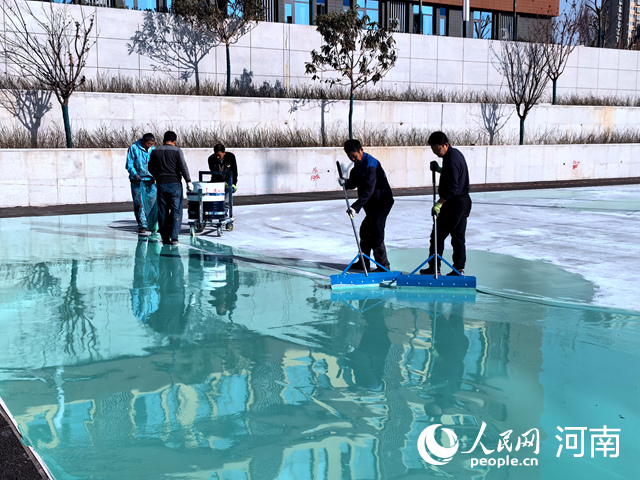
(143,189)
(374,196)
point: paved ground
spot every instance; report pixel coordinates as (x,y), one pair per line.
(15,462)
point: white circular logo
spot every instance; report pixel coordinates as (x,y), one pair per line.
(429,447)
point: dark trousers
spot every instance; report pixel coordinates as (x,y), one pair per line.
(372,234)
(453,221)
(169,210)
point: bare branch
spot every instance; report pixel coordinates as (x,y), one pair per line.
(53,54)
(524,67)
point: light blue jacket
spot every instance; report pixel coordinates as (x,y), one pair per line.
(138,161)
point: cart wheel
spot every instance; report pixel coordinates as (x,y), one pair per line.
(219,231)
(199,227)
(229,227)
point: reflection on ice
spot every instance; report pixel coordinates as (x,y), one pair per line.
(197,362)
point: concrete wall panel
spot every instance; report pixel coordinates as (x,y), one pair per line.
(98,176)
(278,51)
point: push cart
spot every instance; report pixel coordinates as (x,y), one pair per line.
(210,204)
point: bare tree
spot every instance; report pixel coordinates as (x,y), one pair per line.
(76,319)
(524,67)
(172,42)
(225,21)
(27,105)
(559,38)
(358,50)
(49,48)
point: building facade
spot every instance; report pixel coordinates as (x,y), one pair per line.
(489,19)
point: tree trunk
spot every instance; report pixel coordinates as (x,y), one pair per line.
(323,132)
(228,70)
(34,132)
(67,125)
(197,76)
(521,130)
(351,117)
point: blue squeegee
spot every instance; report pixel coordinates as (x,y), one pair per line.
(436,280)
(366,279)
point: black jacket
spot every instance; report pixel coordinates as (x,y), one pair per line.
(228,164)
(368,177)
(454,178)
(167,165)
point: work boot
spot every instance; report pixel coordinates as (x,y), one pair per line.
(429,271)
(357,266)
(385,265)
(143,231)
(453,273)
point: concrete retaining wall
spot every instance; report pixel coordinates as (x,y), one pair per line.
(58,177)
(278,51)
(163,112)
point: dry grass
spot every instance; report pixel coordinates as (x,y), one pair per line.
(265,137)
(243,86)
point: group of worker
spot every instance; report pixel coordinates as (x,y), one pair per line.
(165,167)
(376,199)
(156,174)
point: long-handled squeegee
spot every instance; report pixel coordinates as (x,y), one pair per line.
(436,280)
(366,279)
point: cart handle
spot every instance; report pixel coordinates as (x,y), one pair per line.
(226,174)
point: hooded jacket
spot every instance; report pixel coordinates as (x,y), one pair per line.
(138,161)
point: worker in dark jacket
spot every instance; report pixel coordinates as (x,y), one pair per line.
(454,205)
(223,162)
(168,167)
(374,196)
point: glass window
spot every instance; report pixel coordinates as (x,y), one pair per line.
(346,4)
(144,4)
(297,11)
(426,18)
(482,24)
(369,8)
(288,14)
(302,13)
(442,22)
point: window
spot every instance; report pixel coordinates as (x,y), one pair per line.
(442,22)
(321,7)
(288,13)
(346,4)
(482,24)
(423,22)
(370,9)
(297,11)
(146,5)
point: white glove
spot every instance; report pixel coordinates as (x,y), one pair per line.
(342,181)
(190,186)
(351,212)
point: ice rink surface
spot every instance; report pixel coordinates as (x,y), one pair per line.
(593,232)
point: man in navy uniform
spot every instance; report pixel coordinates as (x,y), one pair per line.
(454,205)
(374,196)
